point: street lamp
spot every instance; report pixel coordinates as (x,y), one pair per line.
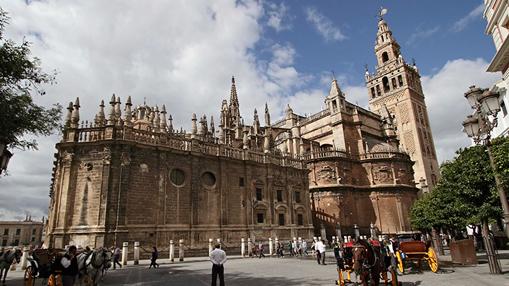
(5,156)
(478,126)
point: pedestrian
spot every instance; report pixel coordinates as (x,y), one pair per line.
(218,258)
(153,258)
(116,257)
(290,247)
(70,266)
(260,248)
(305,247)
(320,251)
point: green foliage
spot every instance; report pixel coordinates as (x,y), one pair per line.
(21,77)
(466,193)
(500,152)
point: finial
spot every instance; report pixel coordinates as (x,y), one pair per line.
(366,68)
(233,79)
(333,75)
(112,100)
(382,12)
(128,102)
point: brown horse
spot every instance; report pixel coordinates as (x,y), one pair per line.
(6,260)
(367,262)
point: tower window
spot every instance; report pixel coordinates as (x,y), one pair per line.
(385,83)
(373,92)
(394,85)
(385,57)
(378,90)
(400,80)
(279,194)
(281,219)
(258,194)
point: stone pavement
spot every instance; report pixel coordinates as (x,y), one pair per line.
(287,271)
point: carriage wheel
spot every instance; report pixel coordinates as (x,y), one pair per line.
(399,259)
(29,278)
(432,260)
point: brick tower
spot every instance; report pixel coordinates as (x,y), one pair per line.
(396,87)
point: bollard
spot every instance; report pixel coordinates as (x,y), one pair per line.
(314,238)
(172,251)
(249,247)
(136,252)
(333,239)
(181,250)
(219,242)
(319,238)
(242,248)
(210,245)
(24,258)
(124,252)
(271,247)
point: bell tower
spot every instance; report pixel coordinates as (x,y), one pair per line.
(396,87)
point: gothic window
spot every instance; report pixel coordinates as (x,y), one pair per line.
(394,86)
(297,197)
(260,218)
(385,83)
(300,219)
(400,80)
(378,90)
(259,196)
(279,195)
(385,57)
(373,92)
(281,219)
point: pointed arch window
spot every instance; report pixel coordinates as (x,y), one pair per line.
(385,57)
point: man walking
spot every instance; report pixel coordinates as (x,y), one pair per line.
(70,267)
(218,258)
(116,257)
(320,251)
(260,248)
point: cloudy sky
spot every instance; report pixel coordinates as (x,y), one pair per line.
(183,54)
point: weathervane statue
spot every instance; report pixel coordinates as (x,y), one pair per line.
(382,12)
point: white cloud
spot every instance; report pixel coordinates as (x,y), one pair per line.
(178,53)
(323,25)
(447,107)
(462,23)
(278,14)
(421,34)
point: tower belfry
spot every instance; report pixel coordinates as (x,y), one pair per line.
(396,87)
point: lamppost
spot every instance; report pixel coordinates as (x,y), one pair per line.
(5,156)
(478,126)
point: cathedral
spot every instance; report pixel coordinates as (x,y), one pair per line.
(131,176)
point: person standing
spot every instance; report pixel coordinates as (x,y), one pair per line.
(305,247)
(218,258)
(320,251)
(116,257)
(153,258)
(70,266)
(260,248)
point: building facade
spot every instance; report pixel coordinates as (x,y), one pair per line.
(132,177)
(17,233)
(496,14)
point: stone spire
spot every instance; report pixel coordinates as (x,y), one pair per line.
(194,128)
(69,115)
(128,112)
(212,128)
(157,120)
(256,123)
(386,48)
(234,103)
(334,89)
(267,115)
(75,116)
(118,113)
(170,126)
(163,125)
(100,118)
(111,116)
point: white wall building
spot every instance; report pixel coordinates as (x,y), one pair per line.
(496,13)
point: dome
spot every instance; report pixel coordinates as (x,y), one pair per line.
(383,147)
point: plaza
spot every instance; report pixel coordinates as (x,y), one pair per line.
(285,271)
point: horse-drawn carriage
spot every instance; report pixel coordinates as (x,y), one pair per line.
(411,250)
(44,264)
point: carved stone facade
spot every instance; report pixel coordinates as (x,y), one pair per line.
(396,87)
(134,178)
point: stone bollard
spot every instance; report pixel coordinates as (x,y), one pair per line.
(136,252)
(219,242)
(242,248)
(320,238)
(345,238)
(172,251)
(181,250)
(249,247)
(315,238)
(277,241)
(271,247)
(210,245)
(24,258)
(333,239)
(124,252)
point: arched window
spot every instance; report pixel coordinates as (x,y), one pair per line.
(394,86)
(385,57)
(385,83)
(378,90)
(400,80)
(373,92)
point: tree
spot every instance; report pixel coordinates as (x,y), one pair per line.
(21,77)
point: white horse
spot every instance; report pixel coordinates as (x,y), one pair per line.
(6,260)
(93,265)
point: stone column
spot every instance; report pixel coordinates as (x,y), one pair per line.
(250,247)
(124,252)
(271,247)
(181,250)
(172,251)
(136,252)
(333,239)
(210,245)
(24,258)
(242,248)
